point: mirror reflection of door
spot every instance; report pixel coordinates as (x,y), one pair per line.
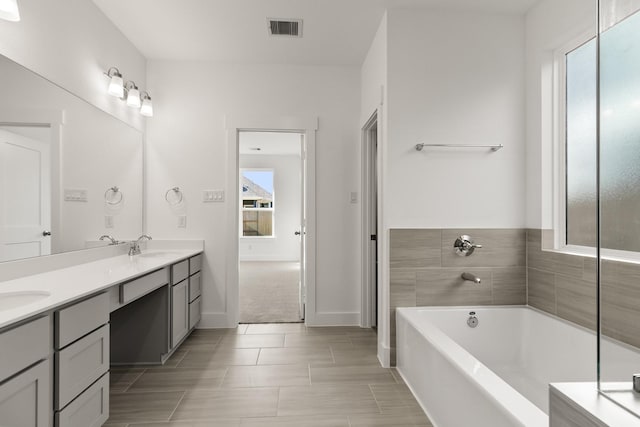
(25,181)
(270,212)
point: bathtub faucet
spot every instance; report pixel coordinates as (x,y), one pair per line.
(471,278)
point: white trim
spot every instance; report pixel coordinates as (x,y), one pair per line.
(336,319)
(267,258)
(233,125)
(384,355)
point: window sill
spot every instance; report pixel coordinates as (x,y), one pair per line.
(607,254)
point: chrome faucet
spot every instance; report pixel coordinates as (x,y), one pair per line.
(105,236)
(134,249)
(471,278)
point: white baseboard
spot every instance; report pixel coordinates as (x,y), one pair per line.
(215,321)
(384,355)
(335,319)
(267,258)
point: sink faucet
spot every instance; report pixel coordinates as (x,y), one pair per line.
(471,278)
(113,241)
(134,249)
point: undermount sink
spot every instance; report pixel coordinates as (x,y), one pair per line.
(11,300)
(158,254)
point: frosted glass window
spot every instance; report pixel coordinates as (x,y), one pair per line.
(581,145)
(620,135)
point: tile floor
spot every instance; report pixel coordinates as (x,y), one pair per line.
(266,375)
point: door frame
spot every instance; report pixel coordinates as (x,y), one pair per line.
(303,125)
(54,120)
(370,302)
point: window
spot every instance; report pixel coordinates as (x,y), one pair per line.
(257,202)
(619,136)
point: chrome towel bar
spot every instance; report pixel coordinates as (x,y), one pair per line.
(419,147)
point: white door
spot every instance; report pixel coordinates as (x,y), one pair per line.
(25,201)
(303,221)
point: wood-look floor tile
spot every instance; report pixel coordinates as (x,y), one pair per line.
(277,328)
(326,399)
(380,420)
(121,378)
(395,399)
(252,341)
(336,330)
(354,357)
(306,421)
(266,376)
(219,357)
(177,379)
(294,356)
(351,375)
(145,406)
(228,403)
(298,340)
(224,422)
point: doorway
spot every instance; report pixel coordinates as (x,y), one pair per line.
(370,222)
(271,217)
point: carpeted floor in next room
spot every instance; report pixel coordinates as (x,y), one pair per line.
(269,292)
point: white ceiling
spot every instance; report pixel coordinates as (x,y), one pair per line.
(336,32)
(269,143)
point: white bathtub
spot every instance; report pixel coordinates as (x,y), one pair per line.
(496,374)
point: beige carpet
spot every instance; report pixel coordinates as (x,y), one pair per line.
(269,292)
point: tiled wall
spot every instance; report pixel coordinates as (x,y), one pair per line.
(565,285)
(425,270)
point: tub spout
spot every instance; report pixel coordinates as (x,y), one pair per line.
(471,278)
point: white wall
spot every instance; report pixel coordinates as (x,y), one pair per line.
(186,143)
(71,43)
(455,78)
(284,245)
(549,25)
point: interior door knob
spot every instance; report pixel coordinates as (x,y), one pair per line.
(46,233)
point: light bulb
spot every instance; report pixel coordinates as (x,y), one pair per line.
(147,106)
(116,86)
(9,10)
(133,97)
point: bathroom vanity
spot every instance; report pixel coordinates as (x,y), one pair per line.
(61,330)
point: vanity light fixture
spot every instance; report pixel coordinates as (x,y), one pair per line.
(127,91)
(133,95)
(9,10)
(116,84)
(147,106)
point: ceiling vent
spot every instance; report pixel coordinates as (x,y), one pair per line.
(285,27)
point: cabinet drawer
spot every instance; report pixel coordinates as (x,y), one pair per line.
(25,400)
(80,319)
(195,264)
(23,346)
(136,288)
(90,409)
(80,364)
(195,312)
(179,272)
(195,286)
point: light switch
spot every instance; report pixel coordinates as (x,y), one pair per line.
(211,196)
(354,197)
(182,221)
(75,195)
(108,221)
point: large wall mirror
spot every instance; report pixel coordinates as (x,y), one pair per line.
(69,172)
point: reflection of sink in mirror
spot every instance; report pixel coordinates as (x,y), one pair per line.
(158,254)
(11,300)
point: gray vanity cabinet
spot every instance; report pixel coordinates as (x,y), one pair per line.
(25,375)
(179,302)
(82,363)
(195,290)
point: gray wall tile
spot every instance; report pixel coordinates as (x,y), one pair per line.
(576,300)
(445,287)
(509,286)
(541,290)
(415,248)
(403,288)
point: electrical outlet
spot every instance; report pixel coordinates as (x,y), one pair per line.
(182,221)
(354,197)
(212,196)
(108,221)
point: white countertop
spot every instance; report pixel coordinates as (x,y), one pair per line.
(72,283)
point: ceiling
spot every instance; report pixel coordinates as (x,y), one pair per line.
(269,143)
(335,32)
